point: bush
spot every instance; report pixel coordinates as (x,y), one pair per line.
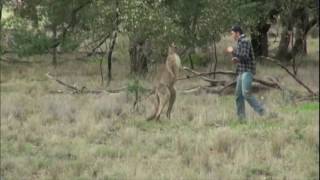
(27,43)
(197,59)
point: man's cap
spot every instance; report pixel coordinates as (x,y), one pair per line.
(236,28)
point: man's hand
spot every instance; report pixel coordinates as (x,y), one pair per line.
(229,49)
(235,60)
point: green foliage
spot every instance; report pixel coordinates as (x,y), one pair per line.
(252,12)
(314,32)
(188,23)
(310,107)
(198,59)
(304,107)
(36,21)
(27,43)
(71,43)
(135,86)
(24,40)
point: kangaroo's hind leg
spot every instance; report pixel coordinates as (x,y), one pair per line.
(163,100)
(156,107)
(172,99)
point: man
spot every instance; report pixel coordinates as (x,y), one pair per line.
(243,57)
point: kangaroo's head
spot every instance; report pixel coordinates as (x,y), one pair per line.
(172,48)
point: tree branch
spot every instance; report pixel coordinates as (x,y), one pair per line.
(310,25)
(290,73)
(84,89)
(215,82)
(103,40)
(71,24)
(200,74)
(63,83)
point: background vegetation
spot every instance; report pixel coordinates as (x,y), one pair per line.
(48,132)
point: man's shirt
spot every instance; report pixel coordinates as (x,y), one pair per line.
(244,53)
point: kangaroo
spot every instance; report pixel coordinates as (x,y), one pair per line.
(164,90)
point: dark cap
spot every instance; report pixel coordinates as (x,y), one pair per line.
(236,28)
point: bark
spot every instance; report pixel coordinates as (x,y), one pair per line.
(285,36)
(191,61)
(101,42)
(300,19)
(271,84)
(210,58)
(83,89)
(259,39)
(283,48)
(101,71)
(139,55)
(215,58)
(0,28)
(113,42)
(198,74)
(54,50)
(300,46)
(303,27)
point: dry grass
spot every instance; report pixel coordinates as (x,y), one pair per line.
(64,136)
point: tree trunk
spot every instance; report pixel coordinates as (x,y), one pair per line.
(54,51)
(0,27)
(285,36)
(283,49)
(191,61)
(303,27)
(113,42)
(259,39)
(139,55)
(300,45)
(215,58)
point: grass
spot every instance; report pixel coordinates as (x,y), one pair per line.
(45,135)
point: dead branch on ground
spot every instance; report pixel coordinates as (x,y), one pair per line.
(83,89)
(290,73)
(271,84)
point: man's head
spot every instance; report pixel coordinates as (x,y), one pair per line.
(236,32)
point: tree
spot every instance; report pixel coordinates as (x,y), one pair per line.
(186,15)
(214,21)
(58,17)
(257,16)
(146,24)
(297,18)
(1,26)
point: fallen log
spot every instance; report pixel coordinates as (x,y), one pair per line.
(230,84)
(62,83)
(228,89)
(199,74)
(83,89)
(213,82)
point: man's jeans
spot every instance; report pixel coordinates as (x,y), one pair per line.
(243,92)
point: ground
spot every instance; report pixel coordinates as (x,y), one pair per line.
(49,135)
